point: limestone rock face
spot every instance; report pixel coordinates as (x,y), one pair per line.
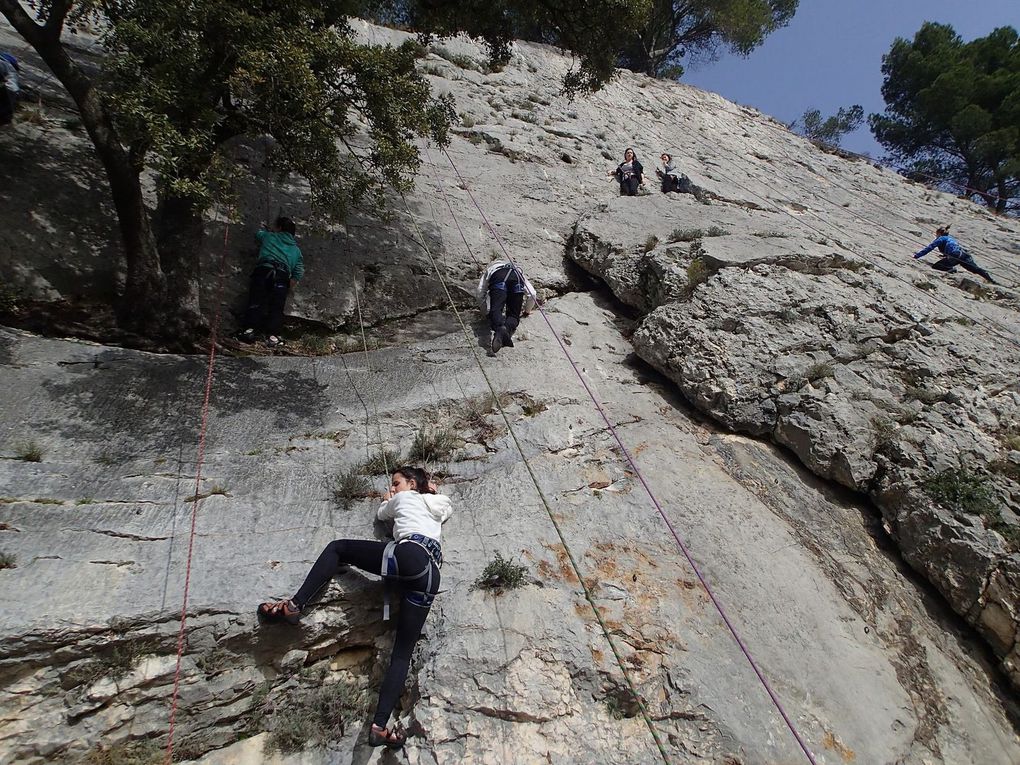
(783,391)
(871,381)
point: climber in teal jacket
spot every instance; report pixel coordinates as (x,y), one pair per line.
(954,255)
(278,268)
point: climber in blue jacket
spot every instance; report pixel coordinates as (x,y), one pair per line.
(953,255)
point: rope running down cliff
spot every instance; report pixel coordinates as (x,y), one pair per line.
(637,472)
(200,459)
(534,479)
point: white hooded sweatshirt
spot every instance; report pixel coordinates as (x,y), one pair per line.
(482,290)
(414,513)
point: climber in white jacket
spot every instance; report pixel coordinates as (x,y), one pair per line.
(505,294)
(411,562)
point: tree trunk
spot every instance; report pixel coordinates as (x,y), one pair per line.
(1003,200)
(179,234)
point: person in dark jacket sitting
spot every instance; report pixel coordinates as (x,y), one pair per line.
(629,174)
(953,255)
(278,268)
(673,180)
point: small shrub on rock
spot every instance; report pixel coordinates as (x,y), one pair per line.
(382,462)
(819,371)
(347,487)
(457,59)
(130,753)
(961,491)
(697,273)
(432,445)
(500,575)
(1011,441)
(320,715)
(28,451)
(885,432)
(923,395)
(8,560)
(416,48)
(9,300)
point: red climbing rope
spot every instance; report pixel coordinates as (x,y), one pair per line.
(203,428)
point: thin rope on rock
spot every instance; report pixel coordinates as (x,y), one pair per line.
(637,472)
(200,459)
(534,479)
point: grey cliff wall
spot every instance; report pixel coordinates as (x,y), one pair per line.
(800,325)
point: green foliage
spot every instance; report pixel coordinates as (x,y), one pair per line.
(184,79)
(9,299)
(317,344)
(432,444)
(28,451)
(1010,440)
(500,575)
(693,234)
(885,433)
(924,395)
(953,110)
(315,716)
(819,371)
(1010,470)
(382,462)
(651,243)
(581,28)
(348,486)
(130,753)
(114,664)
(961,491)
(8,560)
(697,273)
(462,60)
(670,31)
(830,130)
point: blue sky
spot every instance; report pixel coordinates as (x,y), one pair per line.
(831,55)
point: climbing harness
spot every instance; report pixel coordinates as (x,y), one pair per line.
(391,570)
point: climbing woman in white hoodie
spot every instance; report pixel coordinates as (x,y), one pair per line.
(411,561)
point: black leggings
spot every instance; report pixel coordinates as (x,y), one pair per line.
(267,297)
(963,259)
(368,556)
(506,292)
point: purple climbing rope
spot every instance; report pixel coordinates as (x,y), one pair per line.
(648,489)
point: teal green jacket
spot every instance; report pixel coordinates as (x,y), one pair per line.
(280,251)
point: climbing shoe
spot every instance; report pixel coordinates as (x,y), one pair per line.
(246,335)
(279,611)
(507,340)
(394,739)
(497,341)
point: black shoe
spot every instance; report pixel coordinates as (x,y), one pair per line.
(246,335)
(507,339)
(497,341)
